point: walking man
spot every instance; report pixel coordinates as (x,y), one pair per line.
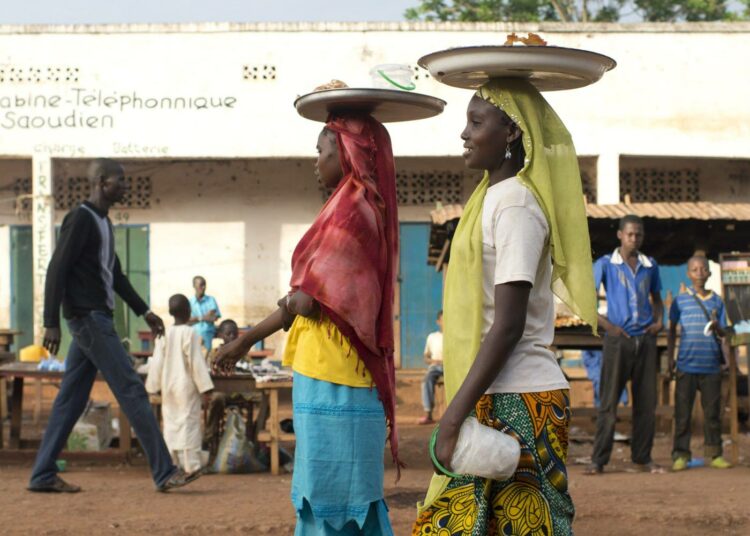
(83,276)
(630,278)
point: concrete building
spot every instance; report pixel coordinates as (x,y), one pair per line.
(220,164)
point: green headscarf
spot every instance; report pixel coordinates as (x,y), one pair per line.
(551,173)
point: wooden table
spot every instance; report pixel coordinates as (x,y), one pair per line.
(274,434)
(576,339)
(585,340)
(6,338)
(19,372)
(239,383)
(5,357)
(260,354)
(6,341)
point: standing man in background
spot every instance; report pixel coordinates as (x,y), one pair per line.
(83,276)
(204,312)
(630,278)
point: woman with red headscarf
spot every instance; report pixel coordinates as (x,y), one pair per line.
(340,346)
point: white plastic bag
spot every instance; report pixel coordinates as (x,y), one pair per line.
(485,452)
(236,454)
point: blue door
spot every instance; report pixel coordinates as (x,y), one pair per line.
(421,293)
(672,277)
(21,285)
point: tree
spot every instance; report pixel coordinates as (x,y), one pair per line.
(688,10)
(577,10)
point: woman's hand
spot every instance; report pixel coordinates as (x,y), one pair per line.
(228,355)
(445,445)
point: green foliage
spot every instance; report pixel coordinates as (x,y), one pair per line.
(479,10)
(683,10)
(578,10)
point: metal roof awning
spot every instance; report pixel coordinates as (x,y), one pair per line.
(676,211)
(674,231)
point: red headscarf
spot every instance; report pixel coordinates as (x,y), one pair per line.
(347,260)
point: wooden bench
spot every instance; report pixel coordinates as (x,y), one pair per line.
(274,435)
(5,357)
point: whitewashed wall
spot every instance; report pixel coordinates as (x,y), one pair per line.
(236,222)
(677,90)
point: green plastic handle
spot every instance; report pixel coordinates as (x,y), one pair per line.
(433,440)
(410,87)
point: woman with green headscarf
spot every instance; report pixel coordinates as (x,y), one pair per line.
(523,236)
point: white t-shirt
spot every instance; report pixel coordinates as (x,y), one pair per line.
(434,345)
(516,248)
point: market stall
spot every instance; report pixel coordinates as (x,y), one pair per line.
(674,232)
(735,283)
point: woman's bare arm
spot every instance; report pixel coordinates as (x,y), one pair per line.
(228,355)
(511,302)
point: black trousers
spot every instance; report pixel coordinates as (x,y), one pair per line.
(684,397)
(624,359)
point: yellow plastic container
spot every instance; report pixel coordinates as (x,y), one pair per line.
(33,353)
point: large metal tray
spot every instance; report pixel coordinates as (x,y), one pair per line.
(548,68)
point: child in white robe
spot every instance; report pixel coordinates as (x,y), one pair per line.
(179,372)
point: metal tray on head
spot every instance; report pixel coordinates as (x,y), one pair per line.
(549,68)
(385,105)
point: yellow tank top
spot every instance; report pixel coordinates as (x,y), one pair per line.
(317,349)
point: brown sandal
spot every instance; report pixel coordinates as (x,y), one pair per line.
(178,479)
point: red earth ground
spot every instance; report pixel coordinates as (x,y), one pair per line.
(120,499)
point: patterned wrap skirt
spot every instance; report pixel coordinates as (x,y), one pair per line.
(535,500)
(337,484)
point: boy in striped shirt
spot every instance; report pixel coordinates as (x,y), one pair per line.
(698,366)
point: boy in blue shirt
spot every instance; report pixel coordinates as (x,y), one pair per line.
(699,364)
(204,312)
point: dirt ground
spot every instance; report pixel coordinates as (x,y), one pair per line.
(121,500)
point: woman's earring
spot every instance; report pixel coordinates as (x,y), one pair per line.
(507,152)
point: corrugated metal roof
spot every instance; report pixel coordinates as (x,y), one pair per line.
(674,211)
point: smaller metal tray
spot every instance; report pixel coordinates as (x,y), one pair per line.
(385,105)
